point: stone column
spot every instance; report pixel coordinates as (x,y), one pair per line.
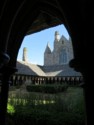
(6,73)
(88,89)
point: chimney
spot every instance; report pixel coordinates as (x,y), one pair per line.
(25,54)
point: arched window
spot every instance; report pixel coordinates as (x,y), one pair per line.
(63,57)
(62,42)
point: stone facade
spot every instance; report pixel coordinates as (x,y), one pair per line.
(62,52)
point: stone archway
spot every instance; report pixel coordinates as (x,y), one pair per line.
(76,16)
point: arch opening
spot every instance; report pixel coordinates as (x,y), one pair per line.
(20,31)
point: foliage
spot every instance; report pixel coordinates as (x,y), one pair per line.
(10,109)
(65,108)
(47,88)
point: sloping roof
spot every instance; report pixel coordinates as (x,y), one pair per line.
(60,70)
(26,68)
(29,69)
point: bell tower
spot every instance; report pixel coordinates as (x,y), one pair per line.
(56,41)
(57,36)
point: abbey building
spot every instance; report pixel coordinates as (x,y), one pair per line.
(56,65)
(62,52)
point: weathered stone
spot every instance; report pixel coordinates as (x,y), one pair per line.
(62,52)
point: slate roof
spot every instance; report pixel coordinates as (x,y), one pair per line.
(60,70)
(37,70)
(29,69)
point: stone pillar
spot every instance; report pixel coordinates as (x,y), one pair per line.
(13,79)
(88,89)
(4,77)
(6,74)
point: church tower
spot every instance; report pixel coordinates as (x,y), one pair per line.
(25,54)
(62,52)
(47,50)
(47,55)
(56,48)
(56,41)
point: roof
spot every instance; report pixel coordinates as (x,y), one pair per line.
(25,68)
(60,70)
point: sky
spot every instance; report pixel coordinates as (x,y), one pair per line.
(37,42)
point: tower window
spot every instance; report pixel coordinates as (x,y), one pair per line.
(62,42)
(63,57)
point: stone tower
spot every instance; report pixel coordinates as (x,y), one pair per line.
(56,40)
(25,54)
(47,55)
(62,52)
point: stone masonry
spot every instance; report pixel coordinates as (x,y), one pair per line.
(62,52)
